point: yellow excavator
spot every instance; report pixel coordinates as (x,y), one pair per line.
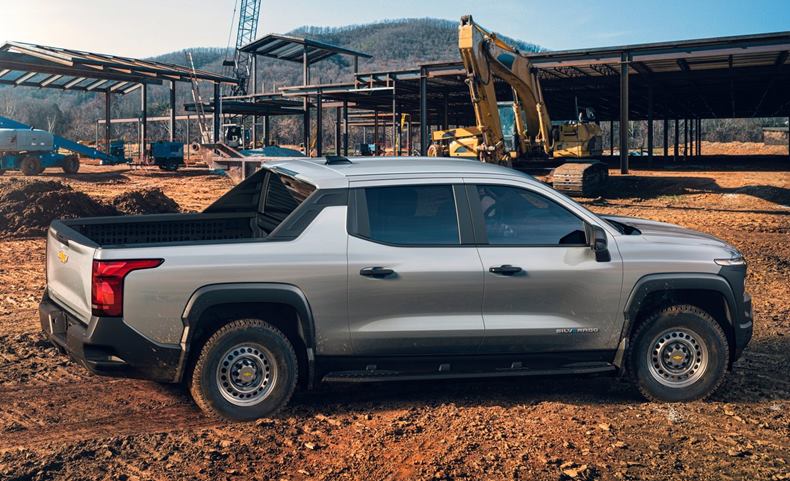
(534,136)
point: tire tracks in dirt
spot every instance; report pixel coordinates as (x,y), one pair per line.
(71,412)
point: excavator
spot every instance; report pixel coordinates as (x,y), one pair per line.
(534,137)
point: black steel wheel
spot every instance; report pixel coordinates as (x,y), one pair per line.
(246,370)
(678,354)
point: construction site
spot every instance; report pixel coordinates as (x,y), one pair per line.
(625,130)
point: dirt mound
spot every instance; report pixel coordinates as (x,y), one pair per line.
(145,201)
(27,208)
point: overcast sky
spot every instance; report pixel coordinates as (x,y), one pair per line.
(151,27)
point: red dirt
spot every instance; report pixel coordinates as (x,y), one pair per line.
(58,422)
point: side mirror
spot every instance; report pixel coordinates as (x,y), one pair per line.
(596,237)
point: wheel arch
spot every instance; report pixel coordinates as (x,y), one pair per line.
(212,306)
(709,292)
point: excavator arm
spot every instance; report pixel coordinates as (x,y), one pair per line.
(533,124)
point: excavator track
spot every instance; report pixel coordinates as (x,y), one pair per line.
(580,178)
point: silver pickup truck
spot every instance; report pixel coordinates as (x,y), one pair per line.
(337,269)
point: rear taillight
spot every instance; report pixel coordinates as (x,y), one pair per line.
(107,284)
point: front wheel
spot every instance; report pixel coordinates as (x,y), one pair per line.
(71,165)
(246,370)
(678,354)
(31,166)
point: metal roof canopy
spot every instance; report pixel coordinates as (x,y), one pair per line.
(255,104)
(30,65)
(292,49)
(726,77)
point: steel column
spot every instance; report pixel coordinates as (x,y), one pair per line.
(305,101)
(266,131)
(445,113)
(319,128)
(217,118)
(345,127)
(338,119)
(685,139)
(254,86)
(611,138)
(699,137)
(677,137)
(107,124)
(423,112)
(143,120)
(375,130)
(692,142)
(624,59)
(650,124)
(395,139)
(666,139)
(172,111)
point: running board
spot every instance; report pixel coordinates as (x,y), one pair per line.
(372,375)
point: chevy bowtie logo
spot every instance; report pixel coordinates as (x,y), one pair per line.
(63,257)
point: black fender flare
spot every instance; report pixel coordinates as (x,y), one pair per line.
(674,282)
(669,282)
(239,293)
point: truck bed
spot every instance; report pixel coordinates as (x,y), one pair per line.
(157,229)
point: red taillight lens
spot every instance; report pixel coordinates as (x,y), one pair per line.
(107,284)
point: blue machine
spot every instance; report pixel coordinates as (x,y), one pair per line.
(33,159)
(168,155)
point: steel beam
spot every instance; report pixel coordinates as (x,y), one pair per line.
(624,59)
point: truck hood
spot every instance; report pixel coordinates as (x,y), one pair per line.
(663,232)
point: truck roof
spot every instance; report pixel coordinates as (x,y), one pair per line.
(337,172)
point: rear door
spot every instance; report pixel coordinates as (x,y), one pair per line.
(69,269)
(544,289)
(415,277)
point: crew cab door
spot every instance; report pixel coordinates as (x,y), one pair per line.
(544,290)
(415,280)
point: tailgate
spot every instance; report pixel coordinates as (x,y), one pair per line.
(69,266)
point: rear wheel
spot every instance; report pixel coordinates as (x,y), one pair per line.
(246,370)
(71,165)
(30,166)
(679,354)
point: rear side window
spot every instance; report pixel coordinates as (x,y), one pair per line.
(408,215)
(281,196)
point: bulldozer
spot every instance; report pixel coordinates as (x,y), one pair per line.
(533,137)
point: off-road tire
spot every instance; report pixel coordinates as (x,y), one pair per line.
(204,385)
(30,166)
(71,165)
(703,329)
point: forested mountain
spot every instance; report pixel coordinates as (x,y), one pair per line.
(393,44)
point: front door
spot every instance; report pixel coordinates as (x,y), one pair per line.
(415,280)
(544,290)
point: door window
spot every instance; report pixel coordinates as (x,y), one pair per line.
(409,215)
(515,216)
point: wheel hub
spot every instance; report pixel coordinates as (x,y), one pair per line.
(677,358)
(246,374)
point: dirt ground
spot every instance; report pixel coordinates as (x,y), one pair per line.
(59,422)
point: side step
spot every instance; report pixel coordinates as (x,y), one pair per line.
(371,374)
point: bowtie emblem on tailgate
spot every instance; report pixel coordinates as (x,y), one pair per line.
(63,257)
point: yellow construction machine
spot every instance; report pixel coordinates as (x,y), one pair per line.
(534,136)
